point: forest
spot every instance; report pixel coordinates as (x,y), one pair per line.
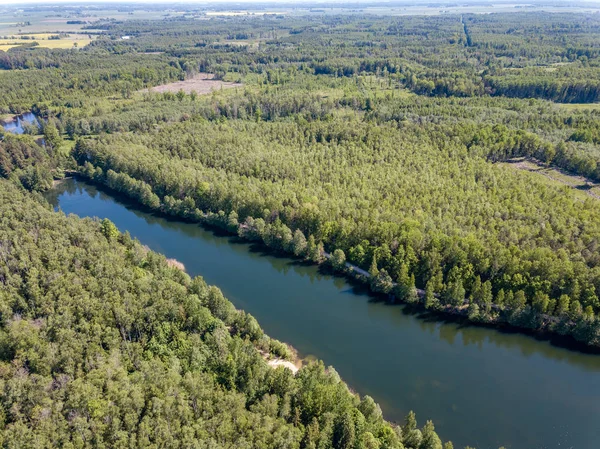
(349,153)
(389,144)
(104,344)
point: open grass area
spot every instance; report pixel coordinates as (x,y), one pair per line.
(581,106)
(203,83)
(7,45)
(43,40)
(65,43)
(582,186)
(34,21)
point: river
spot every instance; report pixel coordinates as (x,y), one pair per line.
(480,386)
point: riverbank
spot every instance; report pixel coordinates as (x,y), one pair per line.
(405,357)
(285,363)
(57,182)
(527,320)
(14,122)
(5,119)
(465,312)
(294,364)
(128,326)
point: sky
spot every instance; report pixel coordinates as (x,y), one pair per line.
(199,2)
(205,2)
(166,2)
(208,2)
(416,2)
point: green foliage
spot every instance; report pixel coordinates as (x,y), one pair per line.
(52,137)
(381,139)
(382,282)
(299,244)
(431,301)
(72,78)
(24,161)
(473,219)
(109,230)
(338,260)
(102,341)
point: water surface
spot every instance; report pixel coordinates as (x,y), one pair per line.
(16,126)
(481,387)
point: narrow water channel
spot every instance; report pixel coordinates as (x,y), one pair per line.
(481,387)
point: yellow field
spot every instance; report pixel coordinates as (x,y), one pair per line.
(7,45)
(44,41)
(65,43)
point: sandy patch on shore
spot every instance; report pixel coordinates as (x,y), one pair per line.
(280,362)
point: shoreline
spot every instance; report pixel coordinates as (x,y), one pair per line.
(7,119)
(285,363)
(294,363)
(355,274)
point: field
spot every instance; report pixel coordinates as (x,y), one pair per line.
(240,13)
(16,24)
(202,83)
(32,20)
(581,106)
(7,45)
(43,41)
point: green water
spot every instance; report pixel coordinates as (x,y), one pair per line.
(481,387)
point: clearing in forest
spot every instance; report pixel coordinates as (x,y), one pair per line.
(554,174)
(202,83)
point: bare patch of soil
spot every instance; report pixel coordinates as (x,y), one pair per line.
(293,365)
(279,362)
(202,83)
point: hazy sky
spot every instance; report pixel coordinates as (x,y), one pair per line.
(174,2)
(200,2)
(168,2)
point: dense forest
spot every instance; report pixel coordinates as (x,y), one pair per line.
(387,146)
(333,142)
(104,344)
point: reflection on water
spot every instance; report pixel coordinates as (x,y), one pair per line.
(17,125)
(481,386)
